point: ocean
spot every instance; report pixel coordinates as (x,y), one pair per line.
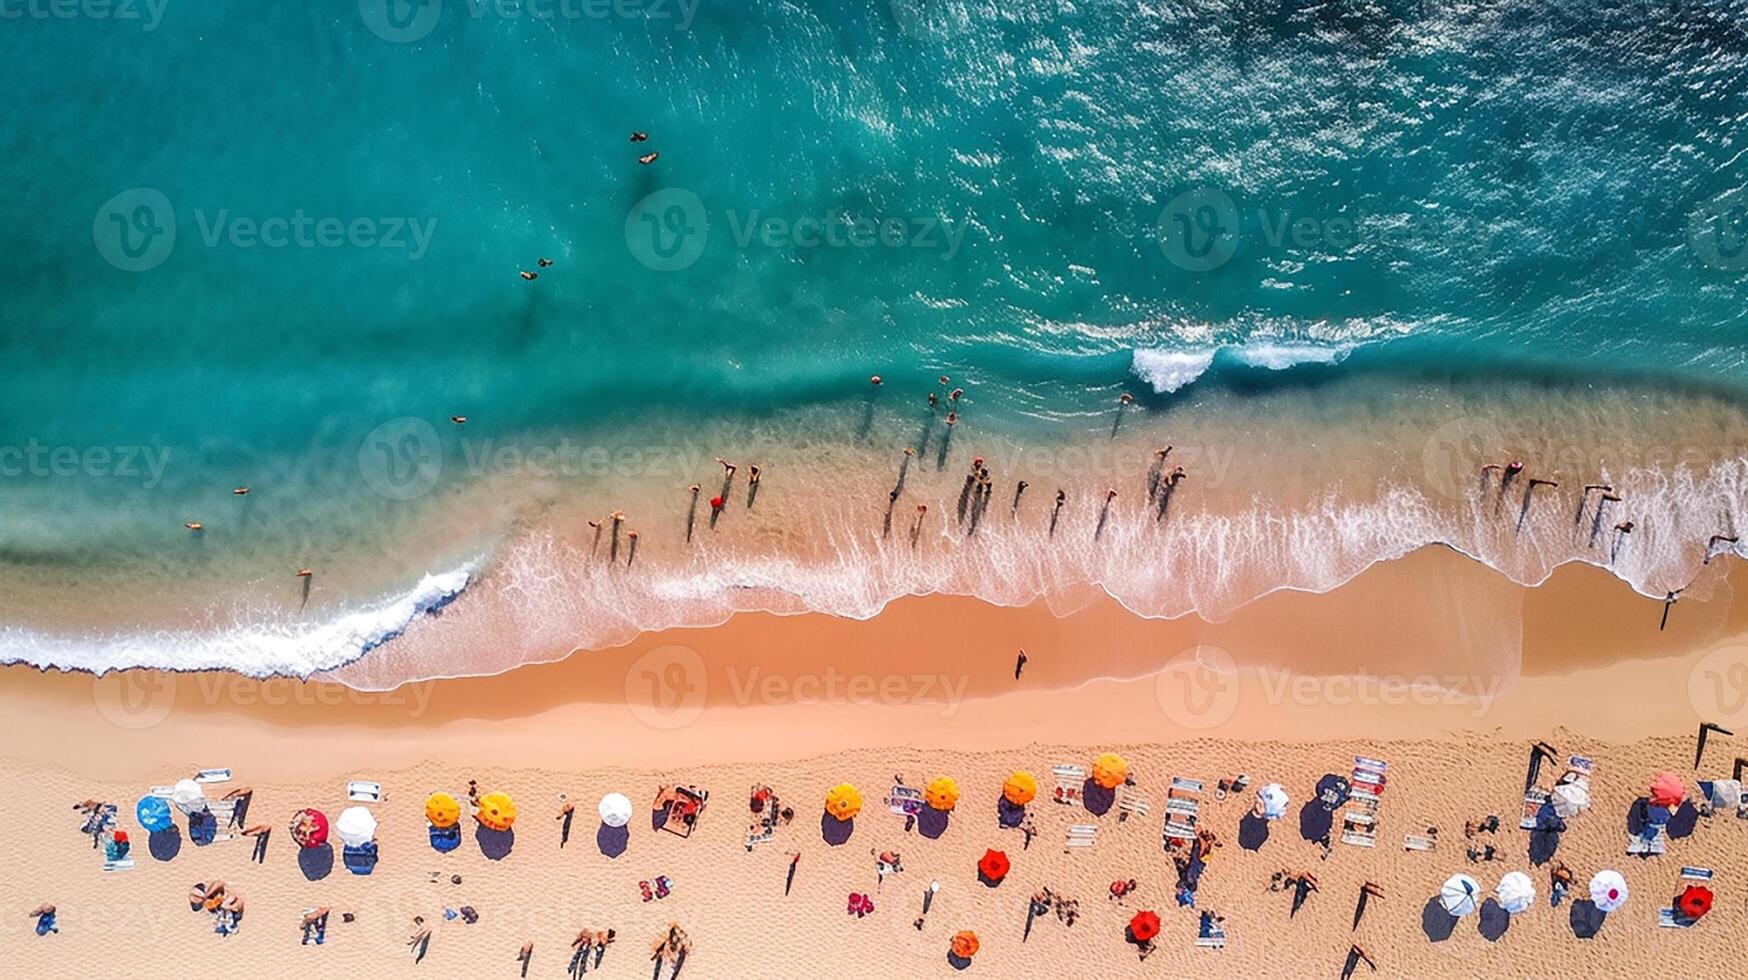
(1338,254)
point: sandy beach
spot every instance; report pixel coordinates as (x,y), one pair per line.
(926,689)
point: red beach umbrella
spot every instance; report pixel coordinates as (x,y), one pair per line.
(1144,926)
(1694,902)
(309,827)
(1667,790)
(993,867)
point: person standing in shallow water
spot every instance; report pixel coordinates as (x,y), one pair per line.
(1061,498)
(1019,664)
(1104,512)
(916,526)
(752,485)
(1019,489)
(692,512)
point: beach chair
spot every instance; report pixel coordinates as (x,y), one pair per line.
(1131,804)
(684,810)
(1183,806)
(1696,874)
(765,836)
(1081,835)
(222,812)
(1533,801)
(1359,829)
(1069,780)
(364,791)
(125,864)
(161,792)
(1637,845)
(906,801)
(213,776)
(1668,918)
(1412,843)
(1215,939)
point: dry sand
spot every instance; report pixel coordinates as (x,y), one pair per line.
(926,689)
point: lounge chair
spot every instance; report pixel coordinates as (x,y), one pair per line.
(1359,825)
(765,836)
(1215,939)
(906,801)
(1183,805)
(1637,844)
(1696,874)
(1130,803)
(1069,780)
(1533,801)
(1081,835)
(213,776)
(1359,829)
(364,791)
(684,810)
(1412,843)
(1668,918)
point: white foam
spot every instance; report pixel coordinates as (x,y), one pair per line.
(1279,357)
(1169,370)
(260,647)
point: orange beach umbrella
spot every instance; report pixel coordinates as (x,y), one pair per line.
(442,811)
(1020,788)
(843,801)
(1109,770)
(965,944)
(942,793)
(496,811)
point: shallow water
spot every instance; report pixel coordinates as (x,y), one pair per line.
(1339,255)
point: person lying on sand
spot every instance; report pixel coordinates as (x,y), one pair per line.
(44,915)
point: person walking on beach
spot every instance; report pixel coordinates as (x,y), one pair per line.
(1019,489)
(1584,498)
(525,956)
(595,547)
(717,502)
(565,814)
(1621,530)
(306,577)
(752,485)
(242,795)
(315,926)
(1154,472)
(916,526)
(632,538)
(44,915)
(965,491)
(891,502)
(692,512)
(1019,664)
(420,941)
(618,518)
(1104,512)
(1601,508)
(260,832)
(904,468)
(1056,511)
(946,441)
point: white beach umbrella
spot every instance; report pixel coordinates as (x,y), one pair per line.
(356,826)
(1274,801)
(1570,798)
(1459,895)
(1726,794)
(615,809)
(188,797)
(1608,890)
(1516,892)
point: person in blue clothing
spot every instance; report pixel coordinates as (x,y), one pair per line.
(45,919)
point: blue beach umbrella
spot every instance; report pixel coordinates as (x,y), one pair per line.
(153,813)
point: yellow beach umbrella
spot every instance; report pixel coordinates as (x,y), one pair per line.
(497,811)
(1109,770)
(442,810)
(1020,788)
(843,801)
(942,793)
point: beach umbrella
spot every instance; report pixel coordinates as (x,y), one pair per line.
(153,813)
(1667,790)
(1333,790)
(1109,770)
(1144,926)
(1459,895)
(1516,892)
(615,809)
(1570,798)
(941,793)
(993,867)
(356,826)
(1274,801)
(496,811)
(1020,788)
(1608,890)
(188,797)
(965,944)
(1695,901)
(309,827)
(442,810)
(843,801)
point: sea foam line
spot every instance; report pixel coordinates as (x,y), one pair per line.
(1169,370)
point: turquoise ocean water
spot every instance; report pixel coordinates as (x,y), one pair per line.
(1052,203)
